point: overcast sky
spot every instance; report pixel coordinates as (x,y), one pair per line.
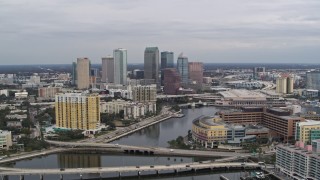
(217,31)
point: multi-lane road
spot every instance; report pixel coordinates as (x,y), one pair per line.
(126,169)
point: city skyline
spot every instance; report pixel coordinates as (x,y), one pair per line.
(56,32)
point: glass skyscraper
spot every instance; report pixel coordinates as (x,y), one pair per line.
(167,60)
(313,80)
(151,63)
(183,68)
(120,66)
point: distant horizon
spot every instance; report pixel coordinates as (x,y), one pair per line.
(307,63)
(46,32)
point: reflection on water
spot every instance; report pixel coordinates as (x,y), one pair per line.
(78,160)
(159,134)
(156,135)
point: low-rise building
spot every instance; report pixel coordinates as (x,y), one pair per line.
(212,131)
(5,139)
(15,123)
(279,121)
(48,92)
(17,116)
(144,93)
(310,93)
(21,95)
(130,109)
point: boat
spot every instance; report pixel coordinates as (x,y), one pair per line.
(178,115)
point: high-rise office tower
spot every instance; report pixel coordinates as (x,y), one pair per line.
(171,81)
(257,70)
(151,63)
(77,111)
(313,80)
(284,84)
(183,68)
(83,73)
(120,66)
(74,73)
(166,62)
(107,69)
(196,72)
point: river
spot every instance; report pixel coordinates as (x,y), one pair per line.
(156,135)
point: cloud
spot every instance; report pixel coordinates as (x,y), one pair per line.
(58,31)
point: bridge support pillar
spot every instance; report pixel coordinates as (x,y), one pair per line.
(61,177)
(21,177)
(4,177)
(195,170)
(41,177)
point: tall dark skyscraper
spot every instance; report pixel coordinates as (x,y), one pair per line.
(183,68)
(107,69)
(74,73)
(151,63)
(167,60)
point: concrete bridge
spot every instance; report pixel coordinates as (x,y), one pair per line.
(146,150)
(138,170)
(99,147)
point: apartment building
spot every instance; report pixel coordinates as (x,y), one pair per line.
(307,131)
(144,93)
(298,162)
(5,139)
(77,111)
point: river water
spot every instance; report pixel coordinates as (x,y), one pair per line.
(156,135)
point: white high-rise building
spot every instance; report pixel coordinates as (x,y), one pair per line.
(120,66)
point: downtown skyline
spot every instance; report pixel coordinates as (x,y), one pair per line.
(57,32)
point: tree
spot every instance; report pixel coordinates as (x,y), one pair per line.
(27,123)
(189,135)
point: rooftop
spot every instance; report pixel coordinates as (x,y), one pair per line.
(241,93)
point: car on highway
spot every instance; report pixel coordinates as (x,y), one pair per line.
(62,169)
(171,150)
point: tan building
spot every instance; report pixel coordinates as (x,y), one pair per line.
(283,126)
(77,111)
(83,73)
(284,84)
(48,92)
(307,131)
(196,72)
(5,140)
(144,93)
